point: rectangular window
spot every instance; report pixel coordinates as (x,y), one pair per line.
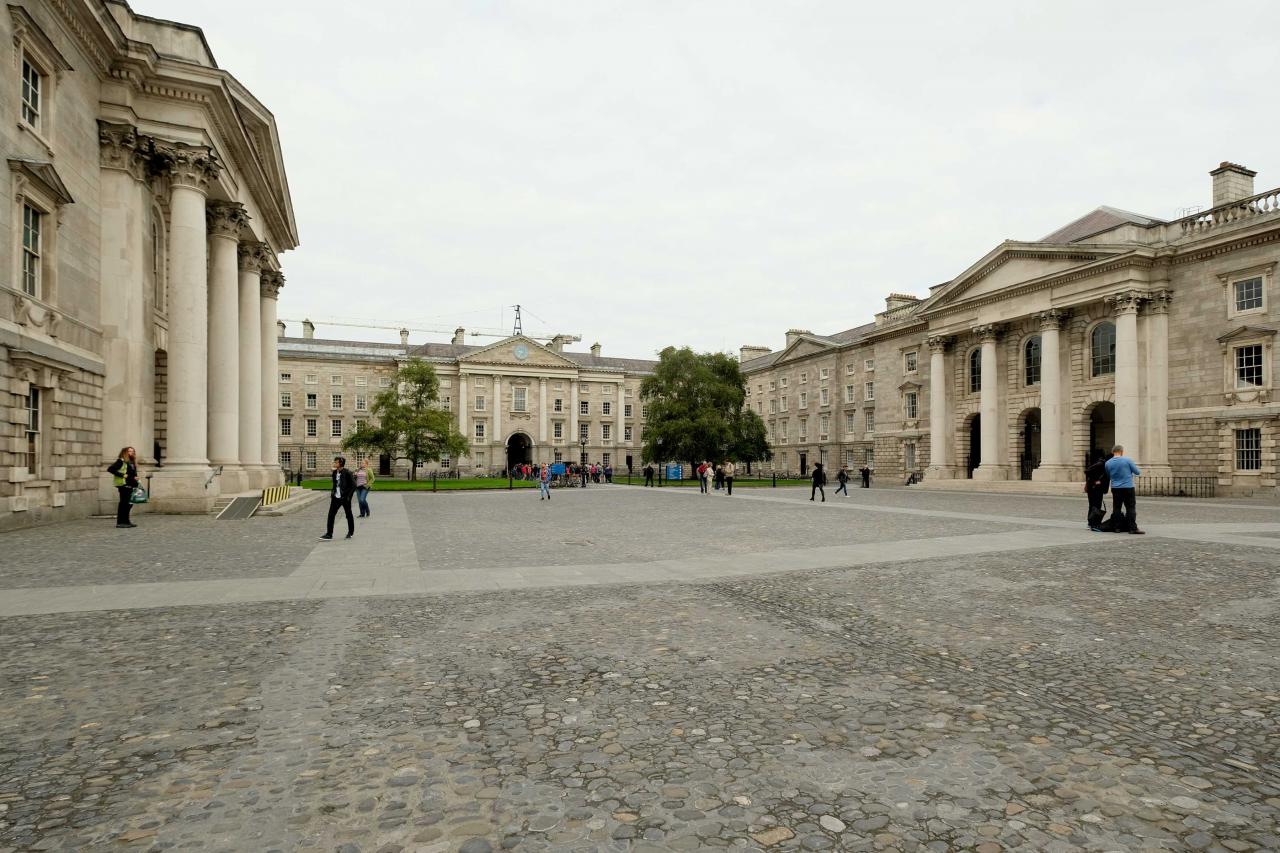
(869,391)
(312,428)
(1249,366)
(848,393)
(335,401)
(626,410)
(286,377)
(385,382)
(584,407)
(363,381)
(804,378)
(311,460)
(310,379)
(773,385)
(909,455)
(871,421)
(518,399)
(286,459)
(824,397)
(557,429)
(286,400)
(479,429)
(606,408)
(804,430)
(480,381)
(479,404)
(850,423)
(848,459)
(1249,449)
(446,404)
(910,362)
(361,423)
(626,433)
(312,402)
(33,431)
(606,431)
(824,373)
(335,427)
(911,405)
(586,387)
(558,405)
(31,87)
(644,411)
(286,426)
(558,456)
(849,369)
(785,380)
(1248,293)
(335,379)
(31,226)
(869,364)
(804,399)
(362,403)
(445,461)
(784,427)
(823,425)
(773,407)
(783,401)
(584,431)
(605,458)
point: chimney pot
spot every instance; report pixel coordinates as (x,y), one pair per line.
(748,352)
(1231,182)
(595,349)
(459,336)
(280,327)
(308,329)
(404,338)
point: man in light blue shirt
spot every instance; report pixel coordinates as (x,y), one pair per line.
(1124,512)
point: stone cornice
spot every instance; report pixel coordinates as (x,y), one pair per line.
(225,219)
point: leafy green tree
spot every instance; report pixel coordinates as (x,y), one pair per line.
(409,421)
(696,410)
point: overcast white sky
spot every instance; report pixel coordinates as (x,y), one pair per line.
(712,173)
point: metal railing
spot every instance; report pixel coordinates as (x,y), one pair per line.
(1176,487)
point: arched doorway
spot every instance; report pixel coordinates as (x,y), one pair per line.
(975,445)
(1102,430)
(1029,433)
(519,450)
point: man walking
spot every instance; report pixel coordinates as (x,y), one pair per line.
(648,475)
(1121,470)
(702,478)
(1096,483)
(544,483)
(819,483)
(842,477)
(124,473)
(342,488)
(729,471)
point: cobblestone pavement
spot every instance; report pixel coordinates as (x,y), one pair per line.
(1110,693)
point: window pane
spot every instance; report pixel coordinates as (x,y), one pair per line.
(975,371)
(1249,366)
(1032,361)
(1103,349)
(1249,294)
(1249,449)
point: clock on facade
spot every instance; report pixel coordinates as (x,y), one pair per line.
(521,352)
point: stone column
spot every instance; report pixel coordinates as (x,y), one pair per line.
(1053,428)
(542,412)
(572,437)
(1128,414)
(270,282)
(496,435)
(1155,438)
(182,485)
(252,366)
(224,222)
(464,405)
(991,466)
(940,465)
(125,305)
(620,422)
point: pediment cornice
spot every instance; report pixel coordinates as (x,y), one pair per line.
(502,354)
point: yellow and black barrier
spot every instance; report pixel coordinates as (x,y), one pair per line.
(274,494)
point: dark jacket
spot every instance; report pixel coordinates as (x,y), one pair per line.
(1096,478)
(130,472)
(345,482)
(819,475)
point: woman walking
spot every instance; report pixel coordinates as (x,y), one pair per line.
(124,472)
(364,481)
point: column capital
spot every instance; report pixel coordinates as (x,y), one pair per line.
(191,166)
(939,343)
(121,148)
(225,219)
(254,256)
(989,332)
(1127,302)
(270,284)
(1054,318)
(1159,300)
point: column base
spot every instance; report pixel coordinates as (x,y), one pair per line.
(182,490)
(1054,474)
(232,481)
(941,472)
(990,473)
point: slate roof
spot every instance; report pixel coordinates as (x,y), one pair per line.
(1095,222)
(366,349)
(848,336)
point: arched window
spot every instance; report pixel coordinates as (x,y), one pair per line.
(975,371)
(1102,349)
(1031,361)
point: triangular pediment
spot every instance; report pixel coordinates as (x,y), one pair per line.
(1012,264)
(802,347)
(508,351)
(1246,332)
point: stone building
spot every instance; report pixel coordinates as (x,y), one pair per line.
(147,206)
(1116,328)
(518,400)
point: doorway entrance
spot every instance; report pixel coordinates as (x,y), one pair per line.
(975,445)
(519,450)
(804,464)
(1029,458)
(1102,431)
(384,465)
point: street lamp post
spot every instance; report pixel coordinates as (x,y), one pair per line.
(582,460)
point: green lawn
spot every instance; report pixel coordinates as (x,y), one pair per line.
(386,484)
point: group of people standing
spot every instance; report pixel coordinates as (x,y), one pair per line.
(1115,474)
(714,477)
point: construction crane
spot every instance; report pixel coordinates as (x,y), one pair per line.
(475,333)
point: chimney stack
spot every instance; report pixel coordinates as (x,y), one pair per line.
(280,328)
(308,329)
(404,338)
(595,350)
(557,344)
(899,300)
(459,336)
(748,352)
(1231,182)
(793,335)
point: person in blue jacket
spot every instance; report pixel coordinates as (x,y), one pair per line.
(1124,502)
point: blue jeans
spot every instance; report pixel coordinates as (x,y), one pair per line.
(544,489)
(362,495)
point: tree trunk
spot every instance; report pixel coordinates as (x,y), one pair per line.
(413,469)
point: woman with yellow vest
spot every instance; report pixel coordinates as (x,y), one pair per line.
(125,473)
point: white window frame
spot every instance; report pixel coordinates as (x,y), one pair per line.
(869,364)
(311,460)
(626,433)
(335,402)
(311,379)
(850,423)
(286,427)
(558,405)
(286,377)
(782,401)
(868,392)
(34,406)
(626,410)
(362,403)
(869,421)
(584,407)
(311,402)
(286,399)
(824,397)
(479,403)
(804,400)
(1236,350)
(911,405)
(335,379)
(606,407)
(312,427)
(804,377)
(606,432)
(363,381)
(335,427)
(911,361)
(479,431)
(824,373)
(286,459)
(1240,448)
(1229,280)
(850,393)
(584,431)
(384,382)
(557,429)
(519,398)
